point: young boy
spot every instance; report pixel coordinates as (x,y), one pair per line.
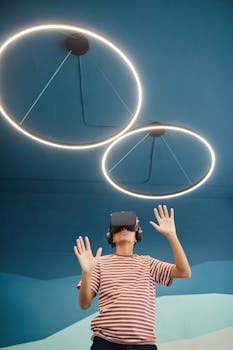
(127,281)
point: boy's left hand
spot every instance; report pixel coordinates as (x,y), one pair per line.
(166,223)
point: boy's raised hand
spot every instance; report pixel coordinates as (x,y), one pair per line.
(166,223)
(84,254)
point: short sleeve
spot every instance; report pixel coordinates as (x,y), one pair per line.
(95,280)
(160,272)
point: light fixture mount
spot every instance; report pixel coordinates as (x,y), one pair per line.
(77,43)
(155,132)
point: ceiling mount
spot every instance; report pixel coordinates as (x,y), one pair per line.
(156,132)
(77,43)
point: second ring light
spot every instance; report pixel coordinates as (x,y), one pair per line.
(157,130)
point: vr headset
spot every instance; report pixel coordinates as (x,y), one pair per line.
(123,220)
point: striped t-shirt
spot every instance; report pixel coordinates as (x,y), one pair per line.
(127,297)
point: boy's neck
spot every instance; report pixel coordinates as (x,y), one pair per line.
(124,250)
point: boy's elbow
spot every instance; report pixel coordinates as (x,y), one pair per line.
(85,300)
(84,306)
(178,273)
(185,274)
(188,274)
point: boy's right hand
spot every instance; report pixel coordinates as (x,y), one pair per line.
(84,254)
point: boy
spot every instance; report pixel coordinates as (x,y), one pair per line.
(127,298)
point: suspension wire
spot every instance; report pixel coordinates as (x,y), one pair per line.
(177,161)
(105,77)
(137,144)
(111,85)
(46,86)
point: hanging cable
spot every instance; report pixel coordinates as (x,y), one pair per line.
(82,100)
(177,161)
(107,79)
(46,86)
(151,162)
(80,70)
(137,144)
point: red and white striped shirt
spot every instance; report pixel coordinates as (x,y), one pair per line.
(127,297)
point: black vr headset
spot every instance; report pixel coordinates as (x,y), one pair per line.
(123,220)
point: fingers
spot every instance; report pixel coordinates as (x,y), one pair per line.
(81,247)
(157,214)
(98,253)
(162,212)
(165,211)
(81,243)
(154,225)
(172,213)
(88,246)
(76,251)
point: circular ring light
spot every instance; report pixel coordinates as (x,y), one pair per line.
(153,128)
(94,35)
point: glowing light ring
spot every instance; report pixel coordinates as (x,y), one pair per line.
(45,27)
(168,195)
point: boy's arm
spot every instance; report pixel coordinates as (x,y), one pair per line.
(181,269)
(88,263)
(85,293)
(166,226)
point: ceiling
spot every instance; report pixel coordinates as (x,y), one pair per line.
(183,53)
